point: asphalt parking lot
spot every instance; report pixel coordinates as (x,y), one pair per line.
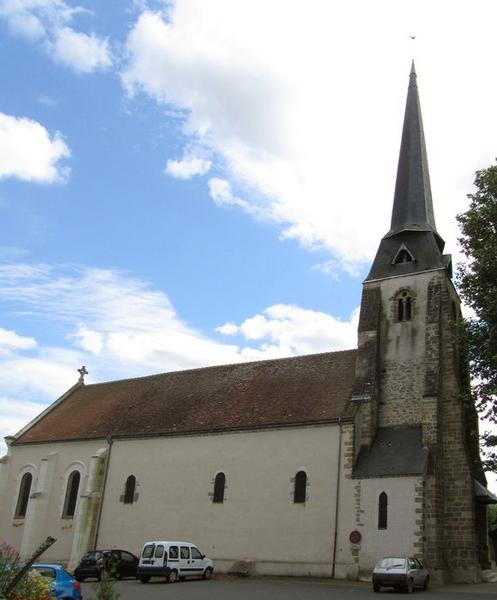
(223,588)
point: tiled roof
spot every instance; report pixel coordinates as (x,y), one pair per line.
(281,392)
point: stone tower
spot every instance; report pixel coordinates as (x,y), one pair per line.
(409,370)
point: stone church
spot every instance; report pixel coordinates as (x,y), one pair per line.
(312,465)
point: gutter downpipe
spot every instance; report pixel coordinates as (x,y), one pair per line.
(110,441)
(337,497)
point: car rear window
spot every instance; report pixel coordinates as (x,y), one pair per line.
(392,563)
(45,572)
(148,551)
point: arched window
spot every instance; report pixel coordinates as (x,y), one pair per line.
(300,487)
(404,305)
(23,498)
(382,511)
(71,495)
(129,490)
(219,485)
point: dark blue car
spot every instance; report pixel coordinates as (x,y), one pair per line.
(65,587)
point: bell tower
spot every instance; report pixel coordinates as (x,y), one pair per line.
(408,371)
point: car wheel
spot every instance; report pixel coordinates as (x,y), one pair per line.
(376,587)
(207,573)
(144,578)
(425,586)
(172,577)
(409,586)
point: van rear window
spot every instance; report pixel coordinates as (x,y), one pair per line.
(148,551)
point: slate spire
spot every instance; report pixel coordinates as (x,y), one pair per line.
(412,205)
(412,243)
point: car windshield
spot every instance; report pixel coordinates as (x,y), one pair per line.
(148,551)
(392,563)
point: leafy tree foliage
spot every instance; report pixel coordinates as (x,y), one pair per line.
(477,281)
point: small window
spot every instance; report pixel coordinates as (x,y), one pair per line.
(196,553)
(71,495)
(159,551)
(129,490)
(382,511)
(403,256)
(23,498)
(173,553)
(219,485)
(127,557)
(404,307)
(185,552)
(300,488)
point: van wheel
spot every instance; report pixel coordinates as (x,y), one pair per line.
(144,578)
(376,587)
(425,586)
(409,586)
(207,573)
(172,577)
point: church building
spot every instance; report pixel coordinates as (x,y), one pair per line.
(312,465)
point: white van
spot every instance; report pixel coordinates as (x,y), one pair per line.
(173,560)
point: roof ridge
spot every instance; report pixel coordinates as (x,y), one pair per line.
(251,362)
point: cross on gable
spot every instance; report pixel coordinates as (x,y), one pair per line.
(82,372)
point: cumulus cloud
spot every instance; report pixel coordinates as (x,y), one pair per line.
(29,153)
(83,52)
(10,340)
(286,330)
(188,167)
(47,22)
(312,137)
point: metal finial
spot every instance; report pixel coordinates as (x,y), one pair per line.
(82,372)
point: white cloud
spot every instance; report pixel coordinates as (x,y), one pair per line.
(286,329)
(188,167)
(27,151)
(47,23)
(221,194)
(84,53)
(311,136)
(10,340)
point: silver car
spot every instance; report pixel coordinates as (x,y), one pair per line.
(404,573)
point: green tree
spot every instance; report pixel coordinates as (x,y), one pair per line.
(477,282)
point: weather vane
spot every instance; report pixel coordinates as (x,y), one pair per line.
(82,372)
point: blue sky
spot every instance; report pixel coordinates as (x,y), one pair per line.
(189,183)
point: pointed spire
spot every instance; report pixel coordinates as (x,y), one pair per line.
(412,206)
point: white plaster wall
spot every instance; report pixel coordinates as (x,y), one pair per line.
(359,510)
(63,457)
(258,519)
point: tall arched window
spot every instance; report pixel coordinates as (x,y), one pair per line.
(404,305)
(382,511)
(300,487)
(23,498)
(129,490)
(71,495)
(219,485)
